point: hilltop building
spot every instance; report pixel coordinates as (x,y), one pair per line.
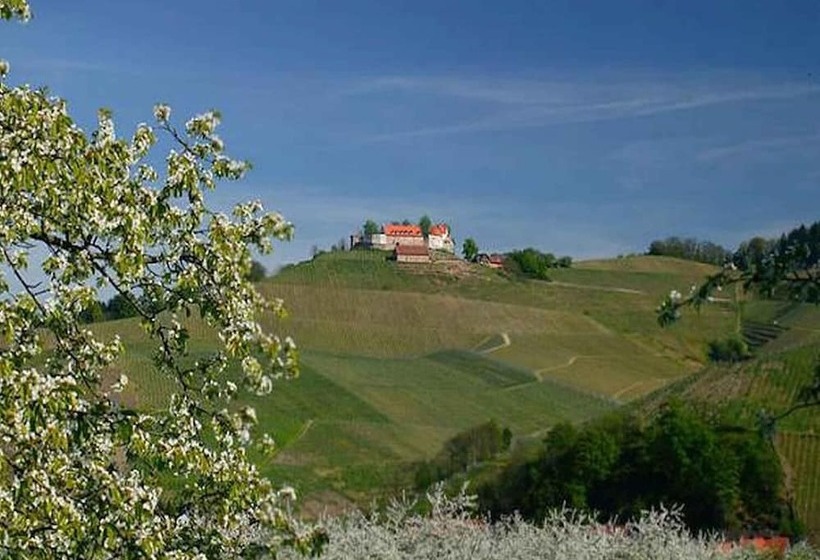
(392,236)
(439,238)
(399,234)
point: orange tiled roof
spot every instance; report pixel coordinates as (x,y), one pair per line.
(399,230)
(439,229)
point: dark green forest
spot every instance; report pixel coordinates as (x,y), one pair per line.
(725,478)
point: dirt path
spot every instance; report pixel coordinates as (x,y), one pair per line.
(569,363)
(301,433)
(653,382)
(505,341)
(627,389)
(285,455)
(598,288)
(538,373)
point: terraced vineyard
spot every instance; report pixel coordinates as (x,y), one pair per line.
(438,348)
(395,361)
(757,334)
(802,454)
(771,382)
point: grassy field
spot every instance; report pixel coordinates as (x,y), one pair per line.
(596,293)
(404,324)
(349,421)
(602,363)
(392,412)
(397,359)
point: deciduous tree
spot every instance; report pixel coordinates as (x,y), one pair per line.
(469,249)
(82,475)
(425,223)
(370,227)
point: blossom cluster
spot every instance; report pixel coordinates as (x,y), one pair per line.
(82,475)
(450,531)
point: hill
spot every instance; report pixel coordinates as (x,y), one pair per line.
(396,359)
(385,333)
(770,382)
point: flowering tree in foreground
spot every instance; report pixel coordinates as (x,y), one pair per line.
(82,475)
(450,531)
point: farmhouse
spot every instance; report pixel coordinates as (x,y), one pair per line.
(411,254)
(495,260)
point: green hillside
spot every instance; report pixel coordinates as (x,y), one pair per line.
(770,382)
(621,298)
(396,359)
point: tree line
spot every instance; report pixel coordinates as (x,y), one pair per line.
(801,245)
(690,249)
(529,262)
(620,465)
(533,263)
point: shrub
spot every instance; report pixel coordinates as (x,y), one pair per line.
(730,349)
(466,448)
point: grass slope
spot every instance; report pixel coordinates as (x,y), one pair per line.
(409,407)
(397,359)
(597,294)
(437,348)
(771,382)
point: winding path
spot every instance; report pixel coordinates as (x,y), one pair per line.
(505,341)
(598,288)
(569,363)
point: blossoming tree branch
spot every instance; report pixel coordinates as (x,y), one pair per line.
(789,270)
(82,475)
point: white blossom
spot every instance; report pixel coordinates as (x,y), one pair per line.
(452,531)
(77,472)
(162,112)
(121,384)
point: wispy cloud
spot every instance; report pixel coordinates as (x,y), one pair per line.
(513,104)
(70,65)
(759,145)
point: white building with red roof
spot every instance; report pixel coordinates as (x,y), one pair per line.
(439,238)
(401,234)
(408,235)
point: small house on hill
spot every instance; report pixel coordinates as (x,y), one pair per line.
(439,238)
(411,254)
(496,260)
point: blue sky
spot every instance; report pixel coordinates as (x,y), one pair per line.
(580,128)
